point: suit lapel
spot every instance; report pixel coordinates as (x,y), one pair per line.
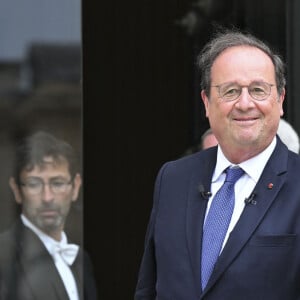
(77,269)
(274,174)
(196,207)
(38,269)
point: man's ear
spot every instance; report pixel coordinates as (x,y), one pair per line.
(76,186)
(15,189)
(206,102)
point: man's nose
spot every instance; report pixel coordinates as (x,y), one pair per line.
(244,100)
(47,193)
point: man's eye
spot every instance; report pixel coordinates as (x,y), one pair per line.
(258,90)
(58,183)
(33,184)
(231,92)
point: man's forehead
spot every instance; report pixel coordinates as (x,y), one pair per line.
(48,159)
(48,162)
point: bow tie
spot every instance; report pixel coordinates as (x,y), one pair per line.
(67,252)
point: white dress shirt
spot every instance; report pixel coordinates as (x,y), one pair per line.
(63,268)
(253,168)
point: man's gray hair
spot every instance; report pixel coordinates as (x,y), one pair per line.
(225,39)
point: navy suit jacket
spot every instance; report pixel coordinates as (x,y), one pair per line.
(28,272)
(261,259)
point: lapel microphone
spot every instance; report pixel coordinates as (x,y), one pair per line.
(250,199)
(204,194)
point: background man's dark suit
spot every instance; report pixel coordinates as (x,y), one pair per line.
(261,259)
(28,271)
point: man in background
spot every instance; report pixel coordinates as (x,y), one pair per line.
(36,260)
(208,140)
(288,135)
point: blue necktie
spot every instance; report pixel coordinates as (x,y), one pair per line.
(217,222)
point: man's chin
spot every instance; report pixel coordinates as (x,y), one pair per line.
(48,224)
(246,139)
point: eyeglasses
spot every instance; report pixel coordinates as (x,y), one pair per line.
(36,186)
(258,90)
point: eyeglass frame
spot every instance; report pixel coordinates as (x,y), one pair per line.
(241,88)
(42,185)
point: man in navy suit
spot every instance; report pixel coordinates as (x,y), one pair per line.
(36,260)
(243,89)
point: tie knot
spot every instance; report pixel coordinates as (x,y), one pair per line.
(233,174)
(67,252)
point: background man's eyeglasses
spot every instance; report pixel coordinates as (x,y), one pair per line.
(36,186)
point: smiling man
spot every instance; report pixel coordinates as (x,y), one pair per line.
(243,102)
(225,221)
(36,261)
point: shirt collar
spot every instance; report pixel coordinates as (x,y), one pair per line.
(253,166)
(48,241)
